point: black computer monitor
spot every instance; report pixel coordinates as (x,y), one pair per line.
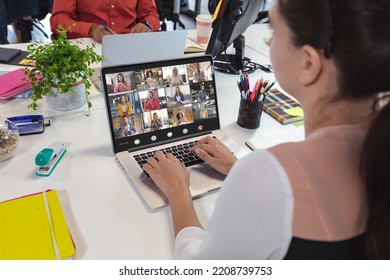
(234,17)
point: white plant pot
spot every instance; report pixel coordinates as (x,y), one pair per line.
(67,101)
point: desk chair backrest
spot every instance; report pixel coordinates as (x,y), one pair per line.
(24,15)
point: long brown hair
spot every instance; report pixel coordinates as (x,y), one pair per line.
(353,33)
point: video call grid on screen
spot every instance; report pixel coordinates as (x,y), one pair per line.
(160,105)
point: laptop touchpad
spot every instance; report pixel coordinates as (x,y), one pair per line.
(204,177)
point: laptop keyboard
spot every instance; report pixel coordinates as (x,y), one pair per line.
(179,151)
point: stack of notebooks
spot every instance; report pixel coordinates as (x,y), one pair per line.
(282,107)
(14,84)
(33,227)
(14,57)
(192,46)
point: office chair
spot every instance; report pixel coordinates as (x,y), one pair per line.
(171,10)
(25,25)
(24,15)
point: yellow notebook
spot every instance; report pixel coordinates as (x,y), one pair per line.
(33,227)
(193,47)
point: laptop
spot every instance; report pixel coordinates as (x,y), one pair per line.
(139,47)
(162,112)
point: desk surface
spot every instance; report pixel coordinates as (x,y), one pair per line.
(104,214)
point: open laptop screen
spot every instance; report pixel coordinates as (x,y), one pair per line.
(159,102)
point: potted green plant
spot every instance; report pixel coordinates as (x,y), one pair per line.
(60,71)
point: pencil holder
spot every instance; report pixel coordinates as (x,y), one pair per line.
(249,114)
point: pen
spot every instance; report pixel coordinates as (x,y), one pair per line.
(256,85)
(247,93)
(246,81)
(264,86)
(105,27)
(241,78)
(241,90)
(268,88)
(260,97)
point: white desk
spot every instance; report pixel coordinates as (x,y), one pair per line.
(105,216)
(254,38)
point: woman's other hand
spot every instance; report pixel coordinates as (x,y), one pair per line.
(215,153)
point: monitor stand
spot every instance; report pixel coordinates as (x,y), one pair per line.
(234,63)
